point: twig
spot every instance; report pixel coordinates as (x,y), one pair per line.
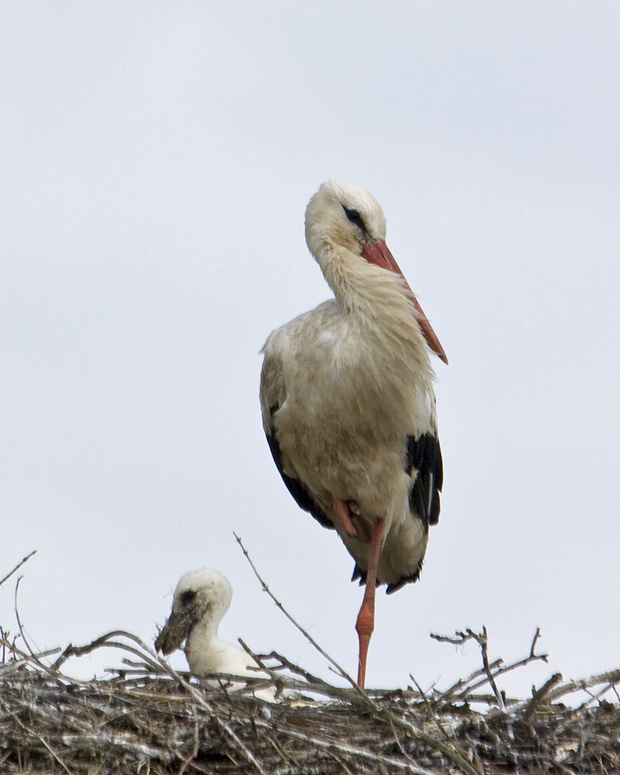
(343,765)
(612,677)
(539,696)
(192,755)
(448,737)
(151,658)
(497,668)
(281,752)
(448,750)
(370,705)
(597,697)
(457,640)
(307,635)
(445,696)
(201,701)
(39,737)
(311,683)
(104,640)
(33,656)
(345,748)
(18,566)
(19,624)
(431,711)
(399,744)
(482,640)
(311,679)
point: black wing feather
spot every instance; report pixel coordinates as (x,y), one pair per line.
(405,580)
(424,454)
(296,488)
(360,574)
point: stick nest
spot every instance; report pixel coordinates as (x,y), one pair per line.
(147,718)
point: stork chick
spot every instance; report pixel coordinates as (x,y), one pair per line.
(201,599)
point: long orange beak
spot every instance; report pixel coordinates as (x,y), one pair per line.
(379,254)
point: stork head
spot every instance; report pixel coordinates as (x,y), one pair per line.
(344,215)
(346,220)
(201,596)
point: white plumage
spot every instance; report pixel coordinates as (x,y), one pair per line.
(347,395)
(201,599)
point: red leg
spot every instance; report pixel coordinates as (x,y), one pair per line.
(348,513)
(342,510)
(365,624)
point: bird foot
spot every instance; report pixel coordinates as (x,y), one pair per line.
(350,519)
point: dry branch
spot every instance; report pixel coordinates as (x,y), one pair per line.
(17,567)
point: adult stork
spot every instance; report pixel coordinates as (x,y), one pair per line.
(348,403)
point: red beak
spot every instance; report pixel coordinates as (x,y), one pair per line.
(379,254)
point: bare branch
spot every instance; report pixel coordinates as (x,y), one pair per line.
(612,678)
(539,695)
(18,566)
(350,750)
(306,635)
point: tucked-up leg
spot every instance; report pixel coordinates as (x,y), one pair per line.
(342,510)
(348,513)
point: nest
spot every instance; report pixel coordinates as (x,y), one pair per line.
(148,718)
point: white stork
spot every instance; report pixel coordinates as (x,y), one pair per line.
(201,599)
(348,403)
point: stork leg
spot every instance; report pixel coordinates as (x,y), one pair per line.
(365,624)
(348,512)
(342,510)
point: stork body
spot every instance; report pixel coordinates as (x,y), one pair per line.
(348,403)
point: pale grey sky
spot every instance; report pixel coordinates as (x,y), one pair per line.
(155,163)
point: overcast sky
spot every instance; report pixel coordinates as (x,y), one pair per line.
(156,159)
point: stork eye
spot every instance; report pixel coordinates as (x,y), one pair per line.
(188,597)
(355,218)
